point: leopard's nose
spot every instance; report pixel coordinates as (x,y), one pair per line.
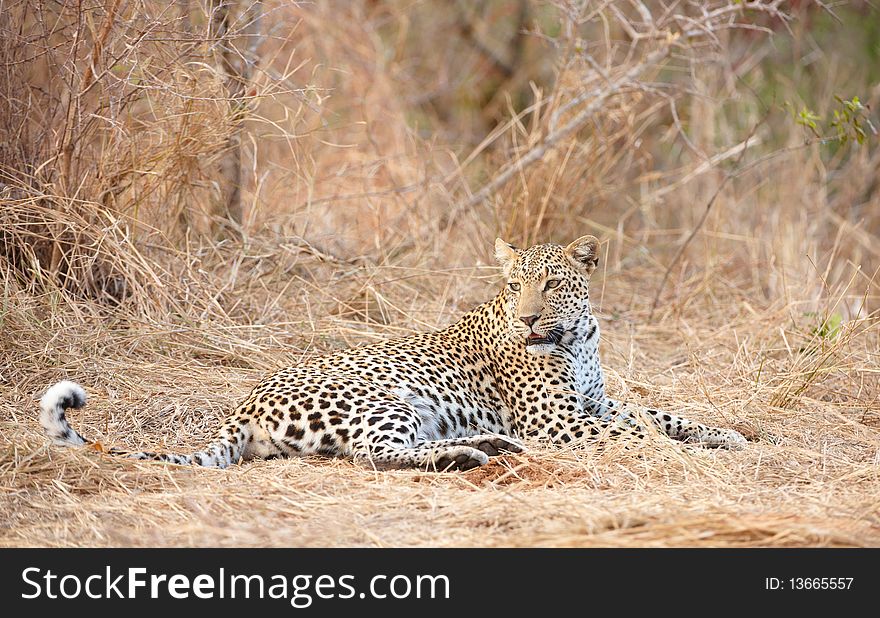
(529,320)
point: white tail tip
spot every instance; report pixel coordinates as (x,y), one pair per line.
(57,399)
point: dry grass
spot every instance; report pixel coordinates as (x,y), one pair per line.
(358,146)
(809,478)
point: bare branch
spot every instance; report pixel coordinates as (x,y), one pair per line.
(537,151)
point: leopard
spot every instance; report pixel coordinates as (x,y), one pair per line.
(522,366)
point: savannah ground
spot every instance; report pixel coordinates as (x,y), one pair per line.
(195,194)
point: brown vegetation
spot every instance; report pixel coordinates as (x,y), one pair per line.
(195,193)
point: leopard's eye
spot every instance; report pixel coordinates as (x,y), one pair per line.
(552,284)
(514,286)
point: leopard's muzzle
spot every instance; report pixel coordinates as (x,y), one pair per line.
(553,336)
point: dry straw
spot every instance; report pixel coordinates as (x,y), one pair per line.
(128,265)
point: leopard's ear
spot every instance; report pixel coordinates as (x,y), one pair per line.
(584,253)
(506,255)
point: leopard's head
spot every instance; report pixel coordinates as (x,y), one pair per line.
(546,298)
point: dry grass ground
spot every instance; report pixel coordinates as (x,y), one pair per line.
(133,283)
(810,476)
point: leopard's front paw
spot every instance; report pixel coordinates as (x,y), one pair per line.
(715,437)
(727,438)
(461,458)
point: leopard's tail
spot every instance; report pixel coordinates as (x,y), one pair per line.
(53,405)
(229,447)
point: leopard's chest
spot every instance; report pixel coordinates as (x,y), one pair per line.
(586,371)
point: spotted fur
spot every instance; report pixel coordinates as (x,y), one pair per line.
(524,364)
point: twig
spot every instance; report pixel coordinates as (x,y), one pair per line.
(537,151)
(742,148)
(708,164)
(685,244)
